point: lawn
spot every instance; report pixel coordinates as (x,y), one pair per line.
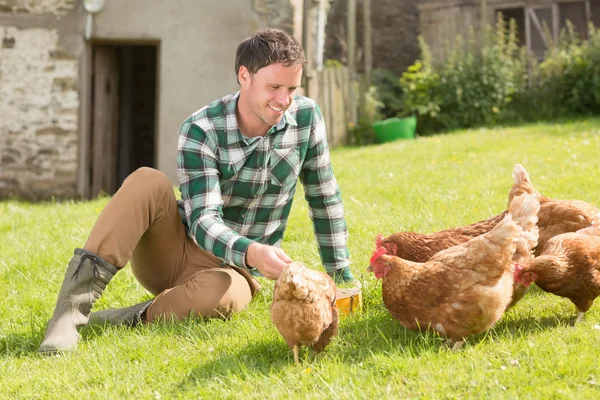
(421,185)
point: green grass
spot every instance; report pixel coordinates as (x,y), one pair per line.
(422,185)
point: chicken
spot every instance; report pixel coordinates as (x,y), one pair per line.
(420,247)
(568,266)
(523,254)
(462,290)
(427,245)
(524,246)
(303,309)
(555,216)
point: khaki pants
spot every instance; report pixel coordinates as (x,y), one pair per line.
(141,224)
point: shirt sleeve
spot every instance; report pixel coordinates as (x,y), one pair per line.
(197,166)
(324,199)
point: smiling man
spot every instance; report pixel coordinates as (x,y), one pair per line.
(239,160)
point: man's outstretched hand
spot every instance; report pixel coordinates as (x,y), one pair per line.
(268,260)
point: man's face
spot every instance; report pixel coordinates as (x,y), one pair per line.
(270,91)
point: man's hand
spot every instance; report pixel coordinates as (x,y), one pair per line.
(269,260)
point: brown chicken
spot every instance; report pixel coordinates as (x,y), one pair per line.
(462,290)
(569,266)
(420,247)
(303,308)
(555,216)
(523,254)
(526,244)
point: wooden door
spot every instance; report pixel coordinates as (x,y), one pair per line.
(104,120)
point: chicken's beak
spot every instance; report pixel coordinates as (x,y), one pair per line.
(369,269)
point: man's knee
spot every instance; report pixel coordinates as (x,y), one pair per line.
(229,293)
(149,178)
(214,293)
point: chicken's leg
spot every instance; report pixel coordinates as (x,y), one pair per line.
(296,358)
(579,317)
(458,345)
(455,345)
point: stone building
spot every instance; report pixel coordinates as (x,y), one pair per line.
(86,99)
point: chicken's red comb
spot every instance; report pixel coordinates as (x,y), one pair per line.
(379,240)
(517,272)
(378,252)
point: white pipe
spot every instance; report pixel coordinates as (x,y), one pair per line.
(88,27)
(320,35)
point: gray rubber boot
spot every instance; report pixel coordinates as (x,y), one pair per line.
(85,280)
(130,316)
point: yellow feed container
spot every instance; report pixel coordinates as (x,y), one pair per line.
(349,300)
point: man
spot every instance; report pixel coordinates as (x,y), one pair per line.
(239,160)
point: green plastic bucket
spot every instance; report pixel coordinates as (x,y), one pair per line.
(392,129)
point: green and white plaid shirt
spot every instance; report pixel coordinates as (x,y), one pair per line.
(236,190)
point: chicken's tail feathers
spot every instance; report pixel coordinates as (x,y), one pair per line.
(522,183)
(506,230)
(520,175)
(520,219)
(328,333)
(524,211)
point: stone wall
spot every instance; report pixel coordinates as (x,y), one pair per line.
(395,28)
(56,7)
(39,107)
(44,94)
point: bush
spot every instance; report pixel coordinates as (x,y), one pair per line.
(389,92)
(479,86)
(568,80)
(474,86)
(485,81)
(421,87)
(362,133)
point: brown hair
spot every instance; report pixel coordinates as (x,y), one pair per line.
(268,46)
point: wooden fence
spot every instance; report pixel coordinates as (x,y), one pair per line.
(329,88)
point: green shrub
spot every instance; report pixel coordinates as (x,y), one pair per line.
(389,92)
(488,80)
(421,87)
(362,133)
(474,86)
(479,85)
(568,82)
